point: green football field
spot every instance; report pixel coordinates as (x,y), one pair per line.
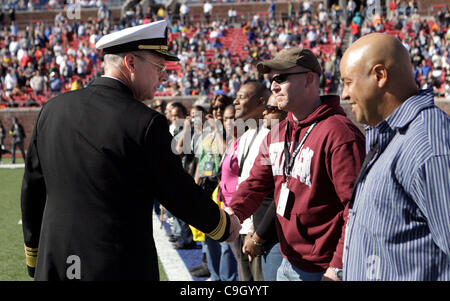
(12,255)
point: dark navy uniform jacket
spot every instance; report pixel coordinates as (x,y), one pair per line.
(96,161)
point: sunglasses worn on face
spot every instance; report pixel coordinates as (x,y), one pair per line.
(272,109)
(281,78)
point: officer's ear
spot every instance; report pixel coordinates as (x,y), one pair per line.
(129,62)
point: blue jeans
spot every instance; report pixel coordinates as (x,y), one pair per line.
(13,155)
(221,262)
(271,261)
(288,272)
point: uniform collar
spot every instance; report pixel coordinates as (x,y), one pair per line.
(113,83)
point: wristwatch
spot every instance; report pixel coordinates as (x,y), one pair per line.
(339,273)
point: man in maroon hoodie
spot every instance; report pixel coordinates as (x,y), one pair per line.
(311,160)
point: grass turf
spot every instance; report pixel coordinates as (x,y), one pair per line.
(12,255)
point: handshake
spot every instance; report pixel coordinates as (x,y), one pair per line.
(235,225)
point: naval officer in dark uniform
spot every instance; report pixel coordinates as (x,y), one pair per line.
(96,160)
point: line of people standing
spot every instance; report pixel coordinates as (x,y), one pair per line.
(307,180)
(221,153)
(292,215)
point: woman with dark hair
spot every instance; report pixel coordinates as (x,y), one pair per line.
(213,144)
(229,171)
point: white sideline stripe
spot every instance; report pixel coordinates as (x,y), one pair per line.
(12,166)
(173,265)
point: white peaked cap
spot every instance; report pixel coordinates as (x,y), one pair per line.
(152,36)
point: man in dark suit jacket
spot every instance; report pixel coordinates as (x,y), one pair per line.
(97,158)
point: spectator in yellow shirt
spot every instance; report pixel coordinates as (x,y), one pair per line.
(161,14)
(76,84)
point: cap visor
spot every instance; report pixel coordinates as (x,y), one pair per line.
(168,56)
(267,66)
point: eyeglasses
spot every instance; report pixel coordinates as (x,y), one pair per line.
(281,78)
(162,68)
(271,109)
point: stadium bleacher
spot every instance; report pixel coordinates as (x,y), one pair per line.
(234,40)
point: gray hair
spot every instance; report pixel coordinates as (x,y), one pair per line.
(113,61)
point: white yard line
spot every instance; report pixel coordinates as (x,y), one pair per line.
(173,265)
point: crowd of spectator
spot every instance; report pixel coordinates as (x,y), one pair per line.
(22,5)
(47,59)
(426,40)
(209,66)
(217,56)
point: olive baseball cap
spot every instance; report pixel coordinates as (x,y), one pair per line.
(289,58)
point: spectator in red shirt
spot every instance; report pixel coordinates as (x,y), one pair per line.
(312,176)
(26,58)
(356,31)
(393,7)
(38,53)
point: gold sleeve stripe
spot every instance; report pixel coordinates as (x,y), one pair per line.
(218,232)
(30,256)
(31,261)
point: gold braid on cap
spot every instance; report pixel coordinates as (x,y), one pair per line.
(153,47)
